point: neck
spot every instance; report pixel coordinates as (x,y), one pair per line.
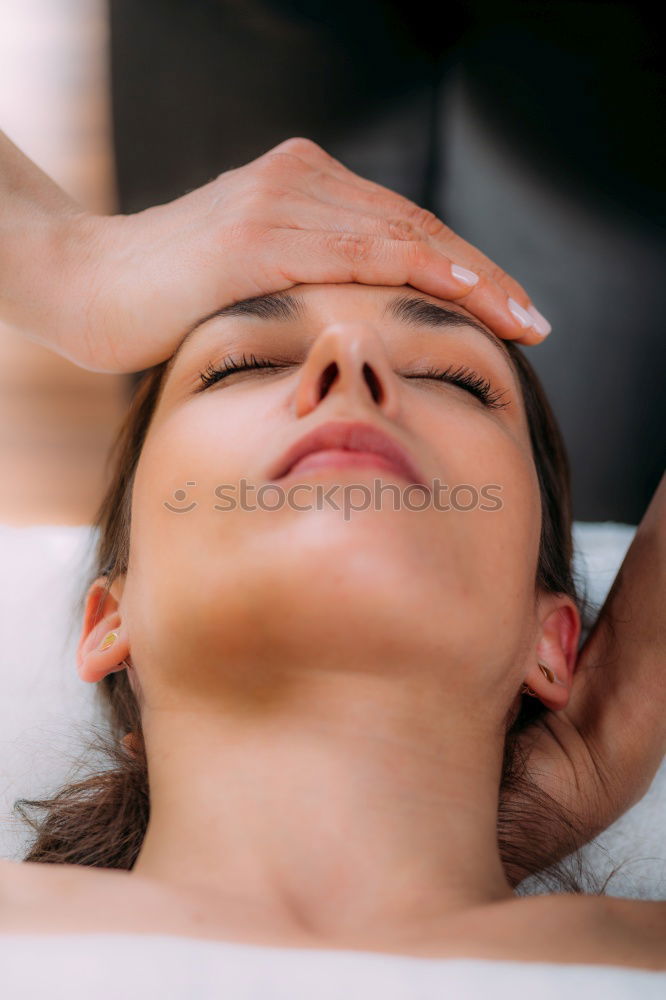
(359,809)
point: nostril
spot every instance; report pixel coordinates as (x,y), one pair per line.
(327,379)
(373,382)
(330,373)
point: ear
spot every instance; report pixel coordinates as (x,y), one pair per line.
(557,647)
(102,626)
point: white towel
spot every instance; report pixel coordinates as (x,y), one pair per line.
(164,967)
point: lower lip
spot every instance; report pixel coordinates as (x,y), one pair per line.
(343,459)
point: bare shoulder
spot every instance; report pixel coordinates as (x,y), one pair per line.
(44,898)
(643,922)
(34,889)
(638,925)
(18,882)
(23,880)
(571,928)
(563,928)
(14,873)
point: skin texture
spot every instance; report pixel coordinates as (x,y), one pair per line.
(324,701)
(119,293)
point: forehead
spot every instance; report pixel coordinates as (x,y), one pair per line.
(325,304)
(329,301)
(309,307)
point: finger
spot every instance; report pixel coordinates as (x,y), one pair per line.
(329,180)
(398,218)
(373,257)
(401,211)
(333,182)
(314,257)
(532,335)
(470,256)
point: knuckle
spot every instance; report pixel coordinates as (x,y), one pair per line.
(401,229)
(274,165)
(433,226)
(513,288)
(495,272)
(353,247)
(421,217)
(299,145)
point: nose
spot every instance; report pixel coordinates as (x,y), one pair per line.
(348,360)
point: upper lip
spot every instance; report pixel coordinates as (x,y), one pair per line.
(350,436)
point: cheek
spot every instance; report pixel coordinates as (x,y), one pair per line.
(493,492)
(190,453)
(177,535)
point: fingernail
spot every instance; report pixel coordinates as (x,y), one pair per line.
(107,641)
(521,314)
(462,274)
(541,324)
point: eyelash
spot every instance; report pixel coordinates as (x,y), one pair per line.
(462,376)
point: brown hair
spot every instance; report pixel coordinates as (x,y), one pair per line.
(101,821)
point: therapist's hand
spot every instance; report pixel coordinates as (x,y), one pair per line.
(127,289)
(598,756)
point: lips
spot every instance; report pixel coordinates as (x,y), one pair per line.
(355,437)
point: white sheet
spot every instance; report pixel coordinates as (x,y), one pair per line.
(148,967)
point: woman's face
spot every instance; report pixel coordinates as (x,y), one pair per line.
(222,587)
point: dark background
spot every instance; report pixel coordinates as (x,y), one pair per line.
(533,129)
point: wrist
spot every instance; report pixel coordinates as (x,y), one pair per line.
(38,245)
(42,254)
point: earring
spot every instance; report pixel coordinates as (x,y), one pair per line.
(550,676)
(108,640)
(546,671)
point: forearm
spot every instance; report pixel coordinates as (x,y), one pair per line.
(621,697)
(598,756)
(36,241)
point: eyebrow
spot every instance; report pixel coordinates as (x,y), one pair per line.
(409,309)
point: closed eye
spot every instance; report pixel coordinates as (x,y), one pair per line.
(470,380)
(214,374)
(461,375)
